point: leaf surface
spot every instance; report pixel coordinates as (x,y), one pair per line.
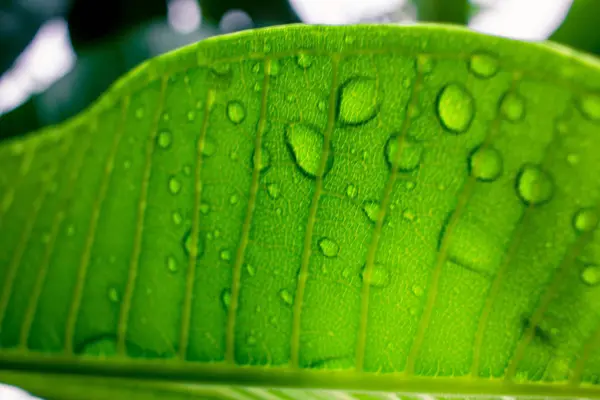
(407,209)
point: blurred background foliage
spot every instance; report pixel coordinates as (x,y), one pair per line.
(58,56)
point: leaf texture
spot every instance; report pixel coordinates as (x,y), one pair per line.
(408,209)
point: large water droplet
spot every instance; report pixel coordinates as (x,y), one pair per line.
(208,147)
(286,297)
(188,246)
(306,145)
(483,65)
(380,275)
(590,106)
(304,60)
(226,297)
(591,275)
(236,112)
(265,160)
(328,247)
(359,101)
(455,108)
(410,157)
(164,139)
(174,185)
(371,209)
(534,185)
(586,220)
(512,107)
(485,164)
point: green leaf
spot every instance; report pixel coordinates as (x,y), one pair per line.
(402,209)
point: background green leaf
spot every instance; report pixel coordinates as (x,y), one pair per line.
(414,208)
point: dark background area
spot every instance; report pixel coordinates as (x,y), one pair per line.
(110,37)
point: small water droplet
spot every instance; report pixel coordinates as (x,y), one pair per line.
(349,39)
(279,211)
(174,185)
(171,264)
(485,164)
(188,246)
(273,190)
(483,65)
(410,185)
(265,160)
(590,106)
(208,147)
(408,215)
(234,199)
(251,269)
(236,112)
(351,191)
(226,297)
(177,218)
(425,64)
(233,155)
(417,290)
(290,97)
(455,108)
(328,247)
(191,115)
(139,113)
(306,145)
(304,60)
(411,155)
(113,295)
(225,255)
(102,347)
(573,159)
(322,105)
(512,107)
(359,101)
(221,68)
(70,230)
(286,297)
(251,340)
(371,209)
(413,311)
(380,275)
(257,87)
(406,83)
(165,116)
(217,233)
(126,164)
(204,208)
(187,170)
(586,220)
(534,185)
(273,68)
(591,275)
(164,139)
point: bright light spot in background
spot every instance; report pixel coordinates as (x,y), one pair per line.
(520,19)
(184,15)
(47,58)
(12,393)
(336,12)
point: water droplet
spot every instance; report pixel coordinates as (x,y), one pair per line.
(417,290)
(187,170)
(411,155)
(189,248)
(208,147)
(380,275)
(102,347)
(164,139)
(165,116)
(221,68)
(126,164)
(304,60)
(265,160)
(273,68)
(328,247)
(251,340)
(233,155)
(410,185)
(322,105)
(279,211)
(586,220)
(290,97)
(139,113)
(70,230)
(590,106)
(425,64)
(217,233)
(257,87)
(408,215)
(371,209)
(534,185)
(483,65)
(226,297)
(236,112)
(591,275)
(572,159)
(306,145)
(113,295)
(286,297)
(234,199)
(274,190)
(512,107)
(174,185)
(455,108)
(171,264)
(485,164)
(204,208)
(191,115)
(358,101)
(225,255)
(177,218)
(251,270)
(351,191)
